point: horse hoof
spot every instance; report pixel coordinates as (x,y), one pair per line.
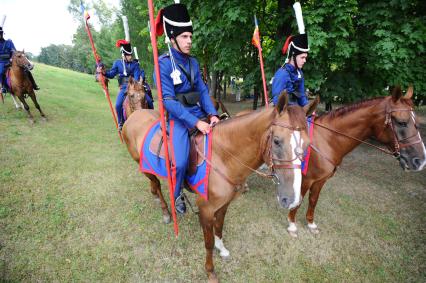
(292,234)
(44,119)
(313,228)
(226,257)
(213,278)
(166,219)
(32,122)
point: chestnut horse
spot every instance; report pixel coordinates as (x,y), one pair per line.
(276,136)
(135,98)
(21,84)
(390,120)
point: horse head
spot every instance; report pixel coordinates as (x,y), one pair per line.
(20,59)
(401,132)
(136,94)
(287,141)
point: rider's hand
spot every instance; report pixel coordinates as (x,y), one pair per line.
(99,70)
(213,120)
(203,127)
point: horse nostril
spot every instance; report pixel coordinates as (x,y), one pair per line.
(416,162)
(285,202)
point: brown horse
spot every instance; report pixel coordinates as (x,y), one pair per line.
(276,136)
(21,84)
(135,98)
(390,120)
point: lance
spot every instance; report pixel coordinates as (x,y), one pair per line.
(101,77)
(256,41)
(161,108)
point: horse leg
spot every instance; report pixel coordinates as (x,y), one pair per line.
(158,196)
(27,108)
(206,220)
(313,199)
(34,99)
(17,106)
(218,228)
(292,228)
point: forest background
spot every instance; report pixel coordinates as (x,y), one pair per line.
(359,48)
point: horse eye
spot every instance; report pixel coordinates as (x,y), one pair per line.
(276,141)
(402,124)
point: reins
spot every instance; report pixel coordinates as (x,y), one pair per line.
(398,143)
(271,175)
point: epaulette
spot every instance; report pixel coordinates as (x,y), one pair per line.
(165,55)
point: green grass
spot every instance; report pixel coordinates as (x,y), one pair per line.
(73,207)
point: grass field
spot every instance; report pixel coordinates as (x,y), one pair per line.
(73,207)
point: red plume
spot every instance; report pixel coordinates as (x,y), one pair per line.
(159,30)
(285,47)
(121,42)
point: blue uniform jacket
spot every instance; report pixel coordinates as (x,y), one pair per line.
(6,50)
(286,78)
(188,115)
(132,68)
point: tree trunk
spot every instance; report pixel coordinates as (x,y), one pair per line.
(224,87)
(256,97)
(213,84)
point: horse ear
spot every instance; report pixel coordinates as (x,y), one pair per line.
(409,93)
(282,101)
(312,106)
(396,93)
(141,80)
(131,81)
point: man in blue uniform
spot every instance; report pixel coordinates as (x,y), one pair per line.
(185,94)
(289,77)
(7,48)
(125,68)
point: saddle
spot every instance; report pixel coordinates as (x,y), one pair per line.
(197,145)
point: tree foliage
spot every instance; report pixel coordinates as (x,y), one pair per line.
(358,47)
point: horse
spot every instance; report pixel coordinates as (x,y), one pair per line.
(390,120)
(275,135)
(135,98)
(20,84)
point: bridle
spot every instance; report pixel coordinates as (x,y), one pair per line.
(398,143)
(22,66)
(283,164)
(401,143)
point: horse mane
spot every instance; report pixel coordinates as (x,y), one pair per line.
(234,125)
(341,111)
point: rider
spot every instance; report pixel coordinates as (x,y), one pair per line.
(7,48)
(125,67)
(186,97)
(290,77)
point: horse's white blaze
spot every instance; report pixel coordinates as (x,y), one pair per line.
(292,227)
(218,244)
(297,173)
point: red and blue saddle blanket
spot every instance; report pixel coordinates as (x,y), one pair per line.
(307,155)
(152,158)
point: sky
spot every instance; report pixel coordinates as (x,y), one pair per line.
(32,24)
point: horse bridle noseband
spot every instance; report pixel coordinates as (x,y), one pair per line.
(272,175)
(400,143)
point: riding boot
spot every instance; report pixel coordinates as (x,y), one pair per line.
(35,86)
(180,205)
